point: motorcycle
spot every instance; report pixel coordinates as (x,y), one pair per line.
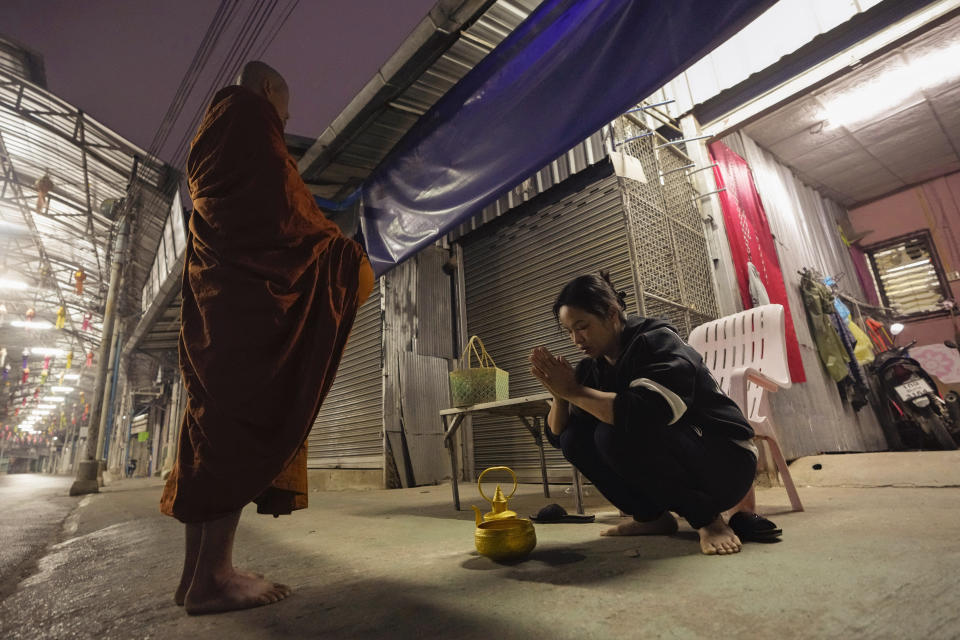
(922,413)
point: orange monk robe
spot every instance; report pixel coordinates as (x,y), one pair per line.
(270,292)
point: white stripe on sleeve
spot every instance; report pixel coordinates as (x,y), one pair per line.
(676,404)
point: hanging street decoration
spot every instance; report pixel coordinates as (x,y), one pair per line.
(61,318)
(44,185)
(86,322)
(79,276)
(90,359)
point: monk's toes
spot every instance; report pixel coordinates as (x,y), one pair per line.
(280,591)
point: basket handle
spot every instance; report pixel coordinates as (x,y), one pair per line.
(483,358)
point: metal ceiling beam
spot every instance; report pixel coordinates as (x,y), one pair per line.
(28,115)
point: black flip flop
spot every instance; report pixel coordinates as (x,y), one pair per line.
(555,513)
(751,527)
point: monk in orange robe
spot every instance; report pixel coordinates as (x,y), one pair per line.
(270,291)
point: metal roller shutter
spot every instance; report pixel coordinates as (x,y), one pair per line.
(348,432)
(514,269)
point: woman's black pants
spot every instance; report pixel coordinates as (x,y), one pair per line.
(649,471)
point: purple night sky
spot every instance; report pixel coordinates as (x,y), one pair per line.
(121,61)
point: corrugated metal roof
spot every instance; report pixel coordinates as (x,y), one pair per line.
(443,48)
(44,242)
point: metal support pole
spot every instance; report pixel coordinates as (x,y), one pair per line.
(108,392)
(89,467)
(671,143)
(650,106)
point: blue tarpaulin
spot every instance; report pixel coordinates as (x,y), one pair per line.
(569,69)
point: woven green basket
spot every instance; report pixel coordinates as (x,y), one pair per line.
(482,383)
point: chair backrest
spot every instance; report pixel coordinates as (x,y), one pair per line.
(753,338)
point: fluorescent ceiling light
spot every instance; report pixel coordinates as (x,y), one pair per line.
(47,351)
(15,228)
(46,406)
(839,63)
(34,324)
(71,376)
(893,88)
(62,389)
(6,283)
(57,399)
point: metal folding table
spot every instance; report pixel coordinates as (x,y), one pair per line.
(530,410)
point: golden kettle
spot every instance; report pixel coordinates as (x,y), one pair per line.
(500,534)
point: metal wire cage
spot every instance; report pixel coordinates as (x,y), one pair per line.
(671,262)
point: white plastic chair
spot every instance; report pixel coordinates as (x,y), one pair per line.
(747,354)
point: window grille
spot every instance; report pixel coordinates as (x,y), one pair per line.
(908,274)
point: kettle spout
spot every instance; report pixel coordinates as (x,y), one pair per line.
(479,515)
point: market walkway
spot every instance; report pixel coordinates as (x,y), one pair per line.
(862,562)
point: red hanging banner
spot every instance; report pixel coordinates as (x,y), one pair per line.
(751,241)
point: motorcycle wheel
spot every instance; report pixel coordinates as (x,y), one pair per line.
(934,426)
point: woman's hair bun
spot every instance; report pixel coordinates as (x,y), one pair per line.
(622,299)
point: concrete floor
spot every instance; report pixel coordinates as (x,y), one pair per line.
(861,562)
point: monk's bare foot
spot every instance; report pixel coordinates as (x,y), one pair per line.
(181,594)
(718,539)
(665,525)
(237,590)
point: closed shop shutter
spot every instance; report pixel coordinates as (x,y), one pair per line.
(514,268)
(348,432)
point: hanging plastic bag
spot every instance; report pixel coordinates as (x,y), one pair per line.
(864,348)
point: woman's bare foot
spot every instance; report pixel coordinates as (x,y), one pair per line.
(665,525)
(181,594)
(237,590)
(718,539)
